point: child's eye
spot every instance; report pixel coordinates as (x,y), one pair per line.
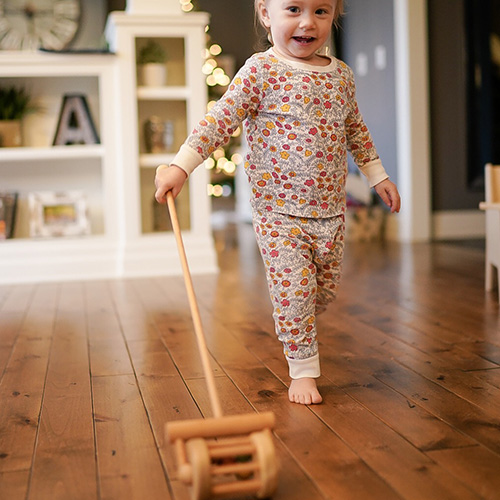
(321,12)
(293,10)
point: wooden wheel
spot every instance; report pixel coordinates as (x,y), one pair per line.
(199,460)
(268,467)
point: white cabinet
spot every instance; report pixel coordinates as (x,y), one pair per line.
(39,166)
(149,247)
(129,231)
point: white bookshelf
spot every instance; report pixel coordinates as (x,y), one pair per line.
(39,166)
(116,175)
(29,154)
(147,248)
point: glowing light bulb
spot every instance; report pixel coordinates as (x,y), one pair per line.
(215,49)
(236,158)
(209,163)
(219,153)
(229,167)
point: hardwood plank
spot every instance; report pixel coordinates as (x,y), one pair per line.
(165,395)
(475,465)
(108,351)
(404,467)
(429,341)
(14,484)
(492,377)
(461,383)
(135,322)
(446,366)
(463,415)
(64,465)
(470,314)
(166,398)
(484,349)
(5,290)
(414,423)
(10,324)
(22,385)
(129,465)
(12,312)
(169,311)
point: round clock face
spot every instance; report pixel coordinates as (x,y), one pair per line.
(33,24)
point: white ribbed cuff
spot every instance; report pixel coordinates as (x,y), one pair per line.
(374,171)
(304,368)
(187,159)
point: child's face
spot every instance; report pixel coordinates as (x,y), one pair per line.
(299,28)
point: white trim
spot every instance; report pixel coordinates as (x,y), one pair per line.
(459,224)
(413,124)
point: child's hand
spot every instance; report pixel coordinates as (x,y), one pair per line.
(388,191)
(168,179)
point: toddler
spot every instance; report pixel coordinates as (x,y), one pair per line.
(301,118)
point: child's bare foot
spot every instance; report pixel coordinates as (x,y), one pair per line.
(304,391)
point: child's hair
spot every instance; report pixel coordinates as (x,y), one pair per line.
(339,10)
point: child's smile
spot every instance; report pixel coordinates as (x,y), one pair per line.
(299,28)
(304,40)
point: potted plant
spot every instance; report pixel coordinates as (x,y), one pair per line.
(151,60)
(15,103)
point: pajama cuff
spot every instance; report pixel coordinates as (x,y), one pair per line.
(374,172)
(304,368)
(187,159)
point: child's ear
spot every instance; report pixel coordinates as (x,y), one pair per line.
(264,15)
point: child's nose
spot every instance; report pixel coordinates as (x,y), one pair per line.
(306,21)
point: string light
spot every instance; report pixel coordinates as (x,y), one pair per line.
(236,158)
(217,190)
(215,49)
(186,5)
(218,162)
(209,163)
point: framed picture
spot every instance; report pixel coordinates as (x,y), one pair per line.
(54,214)
(8,205)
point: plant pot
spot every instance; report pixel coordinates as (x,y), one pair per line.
(10,133)
(153,74)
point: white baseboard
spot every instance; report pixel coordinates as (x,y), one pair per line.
(458,224)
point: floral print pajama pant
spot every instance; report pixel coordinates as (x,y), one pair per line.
(303,259)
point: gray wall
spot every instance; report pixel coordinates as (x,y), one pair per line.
(369,24)
(448,107)
(233,28)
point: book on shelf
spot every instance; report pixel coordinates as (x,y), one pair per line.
(8,206)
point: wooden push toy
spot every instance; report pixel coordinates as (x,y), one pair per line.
(223,455)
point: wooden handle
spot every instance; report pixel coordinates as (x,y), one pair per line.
(195,313)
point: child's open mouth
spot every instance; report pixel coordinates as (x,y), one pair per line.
(304,40)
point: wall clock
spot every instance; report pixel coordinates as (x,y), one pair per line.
(34,24)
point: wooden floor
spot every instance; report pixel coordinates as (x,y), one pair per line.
(92,371)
